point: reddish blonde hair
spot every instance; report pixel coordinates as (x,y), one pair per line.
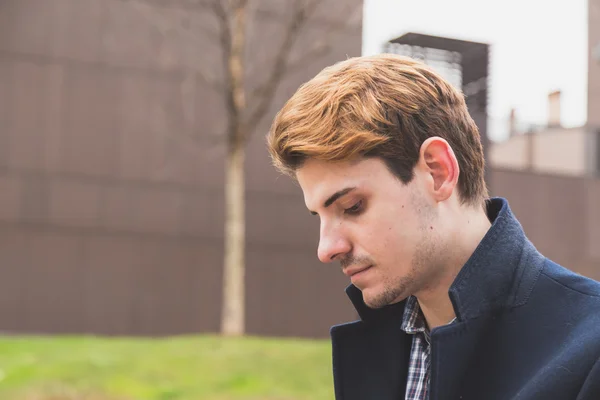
(382,106)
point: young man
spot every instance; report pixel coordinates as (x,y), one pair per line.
(454,301)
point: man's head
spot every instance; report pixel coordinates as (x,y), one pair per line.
(388,157)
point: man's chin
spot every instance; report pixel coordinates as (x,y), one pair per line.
(376,300)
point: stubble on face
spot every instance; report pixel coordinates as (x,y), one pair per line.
(395,290)
(422,267)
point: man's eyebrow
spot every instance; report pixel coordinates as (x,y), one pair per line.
(337,195)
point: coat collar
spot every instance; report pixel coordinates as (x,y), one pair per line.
(499,274)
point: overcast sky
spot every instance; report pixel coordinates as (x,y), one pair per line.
(537,46)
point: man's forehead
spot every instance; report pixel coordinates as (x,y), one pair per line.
(319,180)
(316,174)
(318,171)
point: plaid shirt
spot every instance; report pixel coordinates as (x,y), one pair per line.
(419,366)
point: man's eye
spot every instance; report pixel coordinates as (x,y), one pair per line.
(355,209)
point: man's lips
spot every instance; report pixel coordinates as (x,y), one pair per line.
(355,270)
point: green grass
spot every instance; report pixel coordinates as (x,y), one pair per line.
(178,368)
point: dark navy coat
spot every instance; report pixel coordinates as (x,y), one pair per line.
(526,329)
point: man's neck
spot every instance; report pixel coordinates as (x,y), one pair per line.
(437,313)
(434,301)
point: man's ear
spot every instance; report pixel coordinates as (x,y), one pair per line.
(438,161)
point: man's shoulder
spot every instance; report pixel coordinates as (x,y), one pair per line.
(581,287)
(567,293)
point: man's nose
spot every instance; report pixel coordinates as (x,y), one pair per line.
(332,246)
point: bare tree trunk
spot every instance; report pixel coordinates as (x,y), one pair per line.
(232,318)
(232,323)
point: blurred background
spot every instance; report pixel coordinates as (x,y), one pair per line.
(148,250)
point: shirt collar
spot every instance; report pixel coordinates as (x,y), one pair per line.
(413,320)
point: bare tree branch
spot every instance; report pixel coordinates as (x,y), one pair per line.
(301,14)
(219,9)
(165,27)
(225,42)
(309,57)
(339,21)
(283,65)
(301,62)
(173,4)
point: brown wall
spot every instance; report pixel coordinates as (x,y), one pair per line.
(111,184)
(559,215)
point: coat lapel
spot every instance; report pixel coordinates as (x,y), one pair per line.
(370,360)
(370,356)
(453,348)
